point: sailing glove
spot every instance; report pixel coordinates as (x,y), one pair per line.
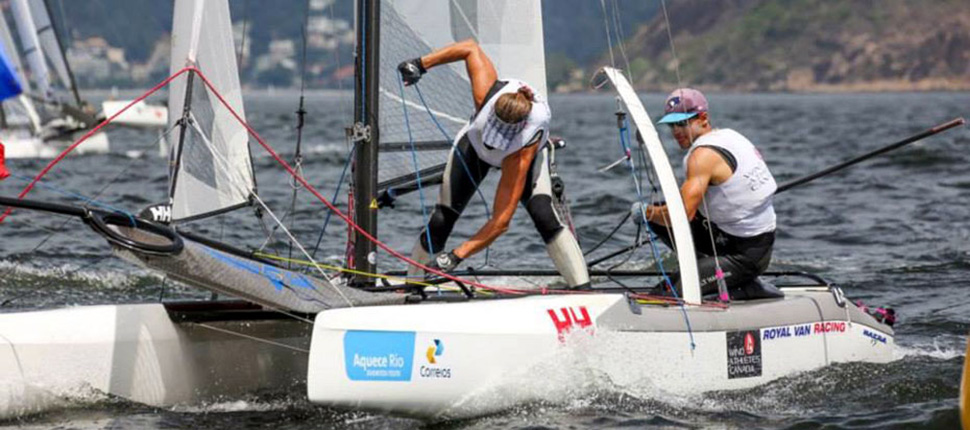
(445,261)
(411,71)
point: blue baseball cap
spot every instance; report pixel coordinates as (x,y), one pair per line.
(683,104)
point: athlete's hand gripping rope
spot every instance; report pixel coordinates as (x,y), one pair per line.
(411,71)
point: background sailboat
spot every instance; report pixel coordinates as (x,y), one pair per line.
(55,107)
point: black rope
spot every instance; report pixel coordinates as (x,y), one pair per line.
(628,256)
(610,235)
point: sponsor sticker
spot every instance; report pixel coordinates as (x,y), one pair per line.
(378,355)
(435,369)
(743,354)
(801,330)
(569,318)
(875,336)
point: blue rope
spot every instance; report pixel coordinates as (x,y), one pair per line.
(85,200)
(417,170)
(336,194)
(461,159)
(624,136)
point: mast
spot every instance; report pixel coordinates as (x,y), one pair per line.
(366,92)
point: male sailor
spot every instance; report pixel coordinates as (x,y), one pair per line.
(509,131)
(727,194)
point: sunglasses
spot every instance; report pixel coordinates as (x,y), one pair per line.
(679,123)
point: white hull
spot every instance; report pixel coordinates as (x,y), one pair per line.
(26,146)
(137,352)
(500,353)
(140,115)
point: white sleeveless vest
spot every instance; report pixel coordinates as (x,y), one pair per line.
(741,206)
(494,139)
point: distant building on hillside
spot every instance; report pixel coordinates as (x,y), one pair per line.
(93,60)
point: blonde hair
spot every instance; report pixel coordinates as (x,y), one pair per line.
(514,107)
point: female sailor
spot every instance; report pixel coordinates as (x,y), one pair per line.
(509,131)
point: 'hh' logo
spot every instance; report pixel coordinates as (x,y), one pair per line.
(569,320)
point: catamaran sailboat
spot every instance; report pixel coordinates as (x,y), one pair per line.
(450,347)
(48,122)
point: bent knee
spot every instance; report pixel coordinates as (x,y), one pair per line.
(544,216)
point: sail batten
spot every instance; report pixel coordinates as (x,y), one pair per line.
(213,171)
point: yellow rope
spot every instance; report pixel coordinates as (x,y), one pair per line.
(346,270)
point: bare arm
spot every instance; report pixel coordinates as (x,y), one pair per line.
(510,188)
(481,72)
(703,167)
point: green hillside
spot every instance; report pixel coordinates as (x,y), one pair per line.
(806,45)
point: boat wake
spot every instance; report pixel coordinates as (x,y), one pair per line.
(942,347)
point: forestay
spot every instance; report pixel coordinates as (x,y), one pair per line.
(686,258)
(212,168)
(510,32)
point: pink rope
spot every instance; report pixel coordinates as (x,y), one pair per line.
(90,133)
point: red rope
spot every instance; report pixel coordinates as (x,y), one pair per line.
(90,133)
(282,163)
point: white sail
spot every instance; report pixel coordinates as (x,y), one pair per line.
(49,43)
(30,46)
(213,170)
(510,32)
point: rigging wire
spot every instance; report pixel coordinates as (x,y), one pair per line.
(253,338)
(348,143)
(417,168)
(623,125)
(618,30)
(609,37)
(718,272)
(336,194)
(300,121)
(626,217)
(224,163)
(670,39)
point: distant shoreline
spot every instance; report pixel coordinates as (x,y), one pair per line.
(852,88)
